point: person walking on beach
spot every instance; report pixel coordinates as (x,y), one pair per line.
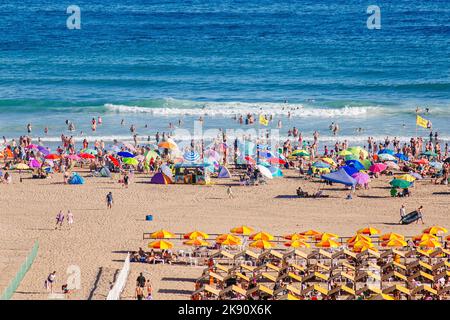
(402,212)
(149,291)
(59,220)
(109,200)
(49,281)
(230,193)
(69,218)
(419,211)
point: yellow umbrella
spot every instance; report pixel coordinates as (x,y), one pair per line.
(392,235)
(310,233)
(395,243)
(358,237)
(424,237)
(435,230)
(162,234)
(295,236)
(406,177)
(369,230)
(244,230)
(430,243)
(160,244)
(196,243)
(361,246)
(262,244)
(330,243)
(325,236)
(22,166)
(329,161)
(196,235)
(262,236)
(228,239)
(344,153)
(297,244)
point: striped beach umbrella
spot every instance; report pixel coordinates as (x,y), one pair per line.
(191,156)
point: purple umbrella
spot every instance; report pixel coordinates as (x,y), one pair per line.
(43,150)
(361,178)
(416,175)
(34,163)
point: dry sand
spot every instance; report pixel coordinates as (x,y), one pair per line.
(99,238)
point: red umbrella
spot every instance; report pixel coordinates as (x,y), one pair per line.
(276,161)
(52,156)
(87,156)
(421,161)
(250,160)
(114,160)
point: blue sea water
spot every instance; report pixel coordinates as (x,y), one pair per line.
(154,62)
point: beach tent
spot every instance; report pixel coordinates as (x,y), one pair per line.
(160,178)
(76,179)
(401,156)
(355,164)
(104,172)
(340,176)
(350,170)
(224,172)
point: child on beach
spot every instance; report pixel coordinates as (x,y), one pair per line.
(229,193)
(49,281)
(59,220)
(69,218)
(109,200)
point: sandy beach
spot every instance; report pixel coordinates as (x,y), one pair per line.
(98,240)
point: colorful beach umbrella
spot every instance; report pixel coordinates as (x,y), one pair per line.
(321,164)
(244,230)
(196,235)
(392,235)
(160,244)
(265,172)
(125,154)
(394,243)
(262,244)
(89,151)
(130,161)
(167,145)
(22,166)
(435,230)
(430,243)
(325,236)
(262,236)
(162,234)
(406,177)
(311,233)
(114,160)
(33,163)
(361,178)
(330,243)
(378,167)
(329,161)
(295,236)
(228,239)
(398,183)
(52,156)
(424,237)
(86,156)
(297,244)
(196,243)
(358,237)
(300,153)
(191,156)
(369,231)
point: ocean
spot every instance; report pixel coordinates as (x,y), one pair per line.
(152,63)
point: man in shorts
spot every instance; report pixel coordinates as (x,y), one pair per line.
(109,200)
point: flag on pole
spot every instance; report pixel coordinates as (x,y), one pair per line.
(422,122)
(263,120)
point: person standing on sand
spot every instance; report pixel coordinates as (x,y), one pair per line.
(49,281)
(402,212)
(419,211)
(230,193)
(109,200)
(69,218)
(59,220)
(149,291)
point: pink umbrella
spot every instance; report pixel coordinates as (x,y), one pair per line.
(34,163)
(392,165)
(73,157)
(361,178)
(32,146)
(378,167)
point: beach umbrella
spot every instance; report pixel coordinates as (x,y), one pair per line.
(162,234)
(300,153)
(277,161)
(394,243)
(196,235)
(406,177)
(401,156)
(386,151)
(339,176)
(33,163)
(160,244)
(392,165)
(351,157)
(430,243)
(167,171)
(52,156)
(191,156)
(311,233)
(149,154)
(386,157)
(265,172)
(325,236)
(424,237)
(369,230)
(366,163)
(196,243)
(32,146)
(129,146)
(320,164)
(276,172)
(358,150)
(89,151)
(378,167)
(297,244)
(167,145)
(130,161)
(329,161)
(228,239)
(436,165)
(398,183)
(361,178)
(262,236)
(350,170)
(344,153)
(114,160)
(262,244)
(295,236)
(21,166)
(73,157)
(330,243)
(44,150)
(250,160)
(244,230)
(392,235)
(421,161)
(86,156)
(435,230)
(359,237)
(416,175)
(125,154)
(429,154)
(360,246)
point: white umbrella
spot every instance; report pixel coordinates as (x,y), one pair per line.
(265,171)
(166,170)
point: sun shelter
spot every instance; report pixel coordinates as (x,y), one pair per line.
(104,172)
(224,172)
(76,179)
(340,176)
(160,178)
(191,173)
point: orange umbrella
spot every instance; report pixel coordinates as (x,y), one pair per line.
(297,244)
(424,237)
(196,235)
(369,230)
(392,235)
(262,236)
(196,243)
(228,239)
(160,244)
(310,233)
(430,243)
(162,234)
(357,238)
(435,230)
(244,230)
(295,236)
(394,243)
(326,236)
(330,243)
(361,246)
(262,244)
(167,145)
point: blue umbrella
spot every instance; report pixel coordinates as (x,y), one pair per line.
(340,176)
(350,170)
(387,151)
(355,164)
(436,165)
(401,156)
(125,154)
(321,164)
(191,156)
(386,157)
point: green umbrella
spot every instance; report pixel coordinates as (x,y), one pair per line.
(130,161)
(399,183)
(300,153)
(150,154)
(430,154)
(89,151)
(351,157)
(366,163)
